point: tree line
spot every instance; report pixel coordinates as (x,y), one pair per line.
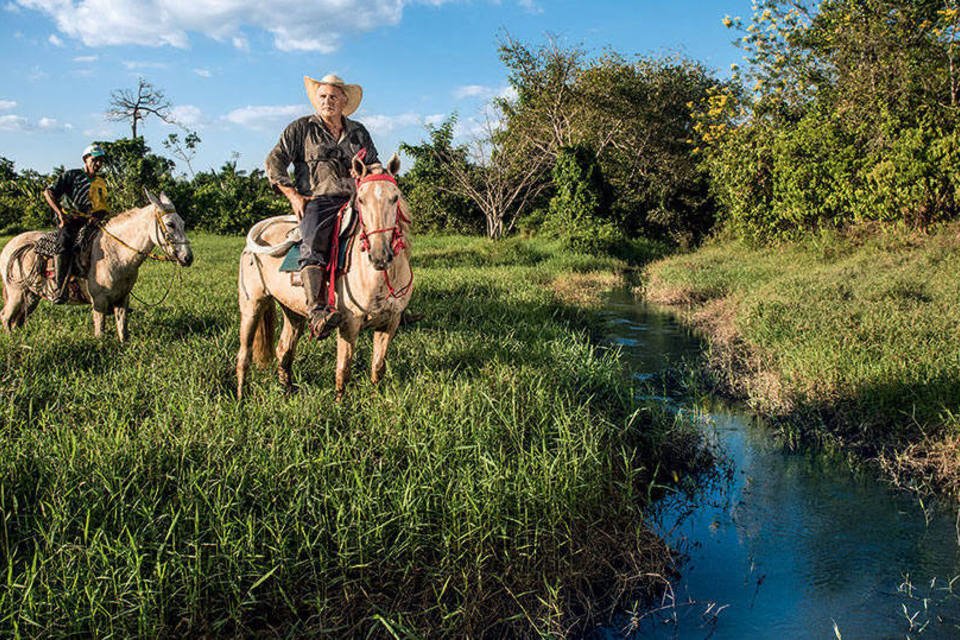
(844,111)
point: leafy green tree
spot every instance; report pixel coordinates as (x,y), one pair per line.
(634,116)
(131,167)
(850,113)
(577,211)
(21,199)
(184,149)
(430,189)
(230,200)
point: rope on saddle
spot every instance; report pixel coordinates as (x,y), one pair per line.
(255,244)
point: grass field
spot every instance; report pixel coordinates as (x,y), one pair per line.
(492,485)
(851,337)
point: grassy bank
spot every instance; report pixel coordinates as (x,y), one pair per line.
(492,485)
(851,337)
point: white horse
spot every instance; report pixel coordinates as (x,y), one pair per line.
(117,252)
(373,293)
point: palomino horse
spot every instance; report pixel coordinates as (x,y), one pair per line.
(117,252)
(373,293)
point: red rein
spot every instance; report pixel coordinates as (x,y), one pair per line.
(397,242)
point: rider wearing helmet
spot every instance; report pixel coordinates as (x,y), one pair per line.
(86,199)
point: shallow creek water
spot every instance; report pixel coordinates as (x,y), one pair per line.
(794,544)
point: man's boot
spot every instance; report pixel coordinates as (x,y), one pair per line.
(61,266)
(321,318)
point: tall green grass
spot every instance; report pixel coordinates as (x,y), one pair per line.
(492,485)
(861,330)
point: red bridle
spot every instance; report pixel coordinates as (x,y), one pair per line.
(397,242)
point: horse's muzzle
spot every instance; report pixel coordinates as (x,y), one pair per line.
(381,259)
(185,257)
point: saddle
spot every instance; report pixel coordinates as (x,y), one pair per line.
(46,247)
(291,261)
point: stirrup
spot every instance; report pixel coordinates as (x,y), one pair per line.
(62,294)
(323,321)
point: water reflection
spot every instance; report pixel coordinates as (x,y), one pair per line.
(792,545)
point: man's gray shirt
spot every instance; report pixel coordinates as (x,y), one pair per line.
(321,165)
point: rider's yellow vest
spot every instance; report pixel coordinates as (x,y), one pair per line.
(98,195)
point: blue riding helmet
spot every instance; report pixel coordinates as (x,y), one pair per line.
(94,150)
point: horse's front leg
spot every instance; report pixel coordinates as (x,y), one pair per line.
(99,313)
(120,315)
(346,341)
(381,340)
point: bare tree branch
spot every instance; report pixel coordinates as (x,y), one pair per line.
(135,106)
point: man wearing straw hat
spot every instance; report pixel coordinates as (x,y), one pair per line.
(320,147)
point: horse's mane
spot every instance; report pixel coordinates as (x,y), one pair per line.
(123,216)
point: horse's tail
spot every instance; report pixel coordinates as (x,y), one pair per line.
(263,336)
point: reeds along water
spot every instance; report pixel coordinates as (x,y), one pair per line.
(494,483)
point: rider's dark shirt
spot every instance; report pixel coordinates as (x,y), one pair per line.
(321,165)
(83,193)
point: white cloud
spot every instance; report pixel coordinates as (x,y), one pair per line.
(319,25)
(474,91)
(36,74)
(380,125)
(531,6)
(203,73)
(266,117)
(133,65)
(55,40)
(52,124)
(85,59)
(7,104)
(188,115)
(11,7)
(13,123)
(101,132)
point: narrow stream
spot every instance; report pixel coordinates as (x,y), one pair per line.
(794,545)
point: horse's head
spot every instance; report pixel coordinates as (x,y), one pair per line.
(169,232)
(384,221)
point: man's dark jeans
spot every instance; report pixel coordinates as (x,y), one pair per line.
(316,227)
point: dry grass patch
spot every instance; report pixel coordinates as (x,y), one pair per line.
(585,289)
(927,466)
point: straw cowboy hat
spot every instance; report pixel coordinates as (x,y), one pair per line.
(354,91)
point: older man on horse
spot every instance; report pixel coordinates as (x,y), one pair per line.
(320,147)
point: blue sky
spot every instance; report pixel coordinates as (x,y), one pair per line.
(233,69)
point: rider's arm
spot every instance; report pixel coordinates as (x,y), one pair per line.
(278,160)
(52,201)
(298,201)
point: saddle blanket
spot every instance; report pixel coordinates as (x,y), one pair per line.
(291,261)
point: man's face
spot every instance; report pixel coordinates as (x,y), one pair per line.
(93,164)
(332,100)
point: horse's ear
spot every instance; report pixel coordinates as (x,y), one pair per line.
(393,166)
(152,198)
(165,201)
(359,169)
